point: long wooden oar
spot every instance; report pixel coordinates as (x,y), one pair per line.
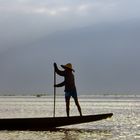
(54,92)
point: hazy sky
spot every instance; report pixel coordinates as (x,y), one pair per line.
(101,38)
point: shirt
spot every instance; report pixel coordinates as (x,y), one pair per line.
(69,81)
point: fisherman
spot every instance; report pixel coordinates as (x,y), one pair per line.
(69,83)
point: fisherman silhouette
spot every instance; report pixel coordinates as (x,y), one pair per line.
(69,83)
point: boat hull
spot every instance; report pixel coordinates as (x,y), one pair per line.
(47,123)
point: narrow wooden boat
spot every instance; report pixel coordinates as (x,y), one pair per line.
(47,123)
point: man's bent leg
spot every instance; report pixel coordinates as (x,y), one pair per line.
(78,106)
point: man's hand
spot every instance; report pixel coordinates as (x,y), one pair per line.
(55,85)
(54,64)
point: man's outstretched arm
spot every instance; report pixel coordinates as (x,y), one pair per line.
(60,85)
(59,72)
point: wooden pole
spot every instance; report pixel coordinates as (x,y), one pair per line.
(54,93)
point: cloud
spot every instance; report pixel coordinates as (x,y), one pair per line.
(95,9)
(24,20)
(50,11)
(62,26)
(108,55)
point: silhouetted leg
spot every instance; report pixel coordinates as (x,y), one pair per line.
(78,106)
(67,105)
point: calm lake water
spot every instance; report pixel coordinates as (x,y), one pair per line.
(124,125)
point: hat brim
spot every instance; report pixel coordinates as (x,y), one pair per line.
(64,67)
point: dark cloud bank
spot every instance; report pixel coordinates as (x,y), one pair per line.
(105,57)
